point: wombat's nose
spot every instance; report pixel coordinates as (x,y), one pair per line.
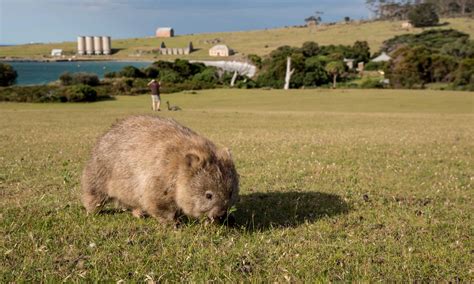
(222,213)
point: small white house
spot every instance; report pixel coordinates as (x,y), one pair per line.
(349,63)
(384,57)
(220,50)
(57,52)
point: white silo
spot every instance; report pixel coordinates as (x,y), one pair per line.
(107,45)
(97,45)
(81,45)
(89,45)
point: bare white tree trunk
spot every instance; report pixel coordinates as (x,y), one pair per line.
(463,3)
(289,73)
(232,82)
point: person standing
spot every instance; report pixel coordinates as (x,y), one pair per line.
(155,94)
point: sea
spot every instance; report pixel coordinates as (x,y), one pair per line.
(39,73)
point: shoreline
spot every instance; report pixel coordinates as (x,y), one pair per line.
(53,60)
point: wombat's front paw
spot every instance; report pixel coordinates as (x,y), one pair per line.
(138,213)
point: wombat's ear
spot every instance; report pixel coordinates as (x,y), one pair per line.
(193,161)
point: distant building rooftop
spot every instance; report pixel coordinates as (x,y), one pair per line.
(56,52)
(165,32)
(384,57)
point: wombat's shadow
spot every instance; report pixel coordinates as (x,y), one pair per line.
(260,211)
(263,211)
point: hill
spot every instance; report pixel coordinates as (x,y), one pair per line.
(260,42)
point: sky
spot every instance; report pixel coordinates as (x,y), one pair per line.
(25,21)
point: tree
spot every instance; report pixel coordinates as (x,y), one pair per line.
(315,74)
(465,74)
(389,9)
(335,68)
(453,7)
(434,38)
(315,19)
(462,48)
(410,66)
(310,48)
(361,51)
(423,15)
(442,68)
(8,75)
(289,73)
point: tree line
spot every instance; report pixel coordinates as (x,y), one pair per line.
(399,10)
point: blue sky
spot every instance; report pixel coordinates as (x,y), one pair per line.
(24,21)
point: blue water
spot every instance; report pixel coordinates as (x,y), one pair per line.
(38,73)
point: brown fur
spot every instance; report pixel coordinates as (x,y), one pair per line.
(155,166)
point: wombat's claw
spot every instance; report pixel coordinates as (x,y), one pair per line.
(209,221)
(137,213)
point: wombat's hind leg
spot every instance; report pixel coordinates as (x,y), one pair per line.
(165,217)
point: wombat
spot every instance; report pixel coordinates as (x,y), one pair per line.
(155,166)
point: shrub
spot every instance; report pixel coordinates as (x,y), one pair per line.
(66,79)
(434,39)
(122,86)
(111,75)
(86,79)
(371,84)
(82,78)
(81,93)
(131,72)
(151,72)
(410,67)
(8,75)
(442,68)
(461,48)
(170,76)
(30,94)
(423,15)
(247,84)
(49,93)
(255,60)
(207,76)
(184,68)
(465,75)
(375,66)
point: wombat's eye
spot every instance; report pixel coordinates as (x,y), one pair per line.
(209,195)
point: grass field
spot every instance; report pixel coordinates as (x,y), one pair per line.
(335,185)
(259,42)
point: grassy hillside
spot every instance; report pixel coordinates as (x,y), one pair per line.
(336,185)
(259,42)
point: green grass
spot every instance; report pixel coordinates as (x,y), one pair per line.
(259,42)
(336,185)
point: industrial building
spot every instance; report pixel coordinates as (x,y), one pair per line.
(164,32)
(90,45)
